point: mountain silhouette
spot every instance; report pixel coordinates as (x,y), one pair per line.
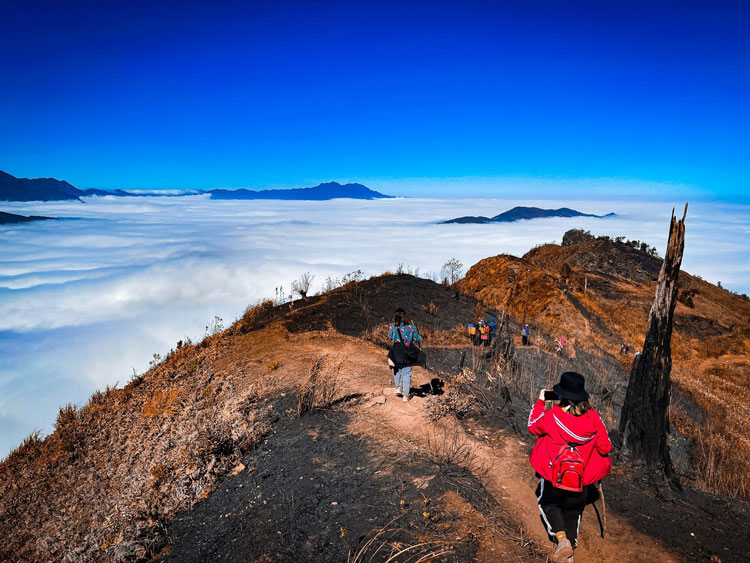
(8,218)
(327,190)
(50,189)
(519,213)
(36,189)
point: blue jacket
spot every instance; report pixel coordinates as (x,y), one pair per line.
(406,333)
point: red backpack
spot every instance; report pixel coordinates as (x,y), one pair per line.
(567,469)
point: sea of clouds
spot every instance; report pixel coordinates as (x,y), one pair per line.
(88,299)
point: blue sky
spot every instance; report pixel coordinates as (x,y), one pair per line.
(159,95)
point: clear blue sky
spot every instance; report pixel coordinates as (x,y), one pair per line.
(259,94)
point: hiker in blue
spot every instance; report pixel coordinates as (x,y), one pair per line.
(525,332)
(404,331)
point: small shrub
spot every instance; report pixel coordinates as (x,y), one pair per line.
(155,361)
(319,388)
(162,402)
(432,309)
(449,404)
(452,271)
(355,276)
(301,285)
(214,327)
(449,448)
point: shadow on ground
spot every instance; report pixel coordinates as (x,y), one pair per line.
(314,492)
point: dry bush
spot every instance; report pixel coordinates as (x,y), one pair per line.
(432,309)
(446,448)
(319,388)
(162,402)
(450,403)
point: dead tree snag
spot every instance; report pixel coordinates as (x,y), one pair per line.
(644,422)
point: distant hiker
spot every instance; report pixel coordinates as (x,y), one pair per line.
(493,327)
(560,344)
(569,457)
(404,352)
(482,331)
(525,332)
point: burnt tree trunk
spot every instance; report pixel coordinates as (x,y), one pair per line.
(644,421)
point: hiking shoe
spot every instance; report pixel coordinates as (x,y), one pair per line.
(406,398)
(563,552)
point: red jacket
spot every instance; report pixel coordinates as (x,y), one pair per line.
(556,428)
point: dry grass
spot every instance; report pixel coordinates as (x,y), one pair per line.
(103,484)
(721,447)
(381,545)
(318,390)
(162,402)
(449,447)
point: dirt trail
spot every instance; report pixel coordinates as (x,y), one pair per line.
(332,478)
(500,458)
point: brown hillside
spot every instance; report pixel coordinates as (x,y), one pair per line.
(597,293)
(280,439)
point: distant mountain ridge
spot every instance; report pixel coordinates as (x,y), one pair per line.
(324,191)
(521,213)
(50,189)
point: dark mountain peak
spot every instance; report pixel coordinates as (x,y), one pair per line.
(35,189)
(519,213)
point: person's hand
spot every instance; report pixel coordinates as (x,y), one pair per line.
(541,394)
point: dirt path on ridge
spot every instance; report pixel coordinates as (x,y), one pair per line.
(499,457)
(332,478)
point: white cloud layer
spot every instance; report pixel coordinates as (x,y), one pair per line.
(88,299)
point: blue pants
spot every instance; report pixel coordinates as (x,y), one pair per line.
(402,379)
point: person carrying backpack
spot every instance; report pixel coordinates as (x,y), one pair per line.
(404,352)
(569,456)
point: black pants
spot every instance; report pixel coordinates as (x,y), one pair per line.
(562,510)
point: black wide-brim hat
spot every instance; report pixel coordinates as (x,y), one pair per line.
(571,387)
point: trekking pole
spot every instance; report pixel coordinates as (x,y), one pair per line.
(603,516)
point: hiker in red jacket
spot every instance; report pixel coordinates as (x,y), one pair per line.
(569,457)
